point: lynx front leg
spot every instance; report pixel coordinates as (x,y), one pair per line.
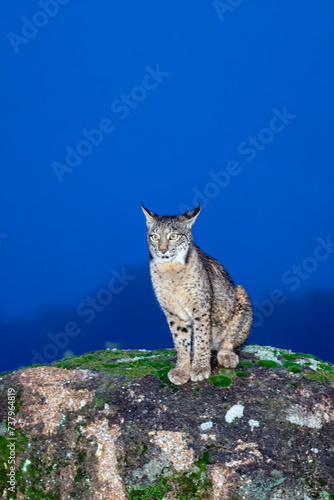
(181,332)
(200,366)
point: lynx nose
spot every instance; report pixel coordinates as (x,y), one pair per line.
(163,250)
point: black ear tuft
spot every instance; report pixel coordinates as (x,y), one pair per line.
(150,216)
(190,216)
(192,213)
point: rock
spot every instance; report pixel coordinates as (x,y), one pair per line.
(109,425)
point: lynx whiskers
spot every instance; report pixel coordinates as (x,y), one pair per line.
(203,307)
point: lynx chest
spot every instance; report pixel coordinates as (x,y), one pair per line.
(176,286)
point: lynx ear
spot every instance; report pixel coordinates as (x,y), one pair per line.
(150,216)
(189,217)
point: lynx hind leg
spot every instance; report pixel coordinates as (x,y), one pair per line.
(245,316)
(181,332)
(236,330)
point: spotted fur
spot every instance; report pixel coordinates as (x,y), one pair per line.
(203,307)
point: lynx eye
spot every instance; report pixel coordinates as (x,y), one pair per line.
(173,236)
(155,237)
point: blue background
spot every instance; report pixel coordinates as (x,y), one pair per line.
(224,74)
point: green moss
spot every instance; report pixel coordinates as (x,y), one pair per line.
(318,377)
(23,367)
(295,369)
(326,367)
(268,363)
(324,495)
(127,368)
(89,357)
(272,403)
(162,375)
(302,355)
(72,363)
(33,487)
(33,494)
(326,371)
(197,389)
(287,364)
(193,485)
(141,448)
(288,356)
(220,380)
(329,375)
(98,402)
(131,371)
(292,367)
(81,475)
(228,372)
(243,374)
(245,363)
(6,373)
(82,456)
(112,366)
(203,461)
(155,491)
(293,356)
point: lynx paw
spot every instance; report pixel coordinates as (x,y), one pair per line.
(228,359)
(178,376)
(200,373)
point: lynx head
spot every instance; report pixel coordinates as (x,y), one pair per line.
(169,237)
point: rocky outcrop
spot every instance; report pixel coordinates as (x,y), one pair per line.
(109,425)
